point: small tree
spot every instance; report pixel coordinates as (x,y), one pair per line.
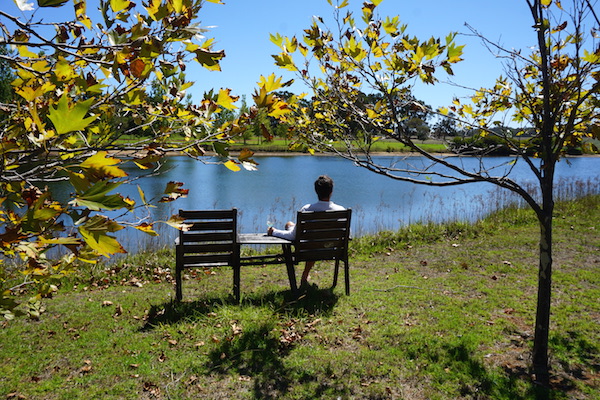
(81,87)
(553,91)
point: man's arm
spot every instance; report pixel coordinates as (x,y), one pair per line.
(284,234)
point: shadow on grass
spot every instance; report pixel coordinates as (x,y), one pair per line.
(472,379)
(259,353)
(312,301)
(583,358)
(256,354)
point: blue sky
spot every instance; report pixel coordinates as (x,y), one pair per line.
(242,28)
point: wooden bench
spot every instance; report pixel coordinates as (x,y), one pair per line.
(324,235)
(209,241)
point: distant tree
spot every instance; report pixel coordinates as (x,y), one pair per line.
(445,127)
(6,77)
(554,91)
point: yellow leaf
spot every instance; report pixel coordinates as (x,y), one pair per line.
(119,5)
(278,108)
(178,5)
(232,165)
(64,70)
(101,163)
(285,61)
(25,52)
(225,99)
(40,66)
(61,240)
(147,228)
(270,83)
(277,39)
(371,114)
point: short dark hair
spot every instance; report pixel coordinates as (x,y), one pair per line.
(324,187)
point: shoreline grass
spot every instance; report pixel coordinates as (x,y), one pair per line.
(435,312)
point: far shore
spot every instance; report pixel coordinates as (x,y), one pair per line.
(316,154)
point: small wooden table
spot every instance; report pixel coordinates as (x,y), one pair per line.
(282,258)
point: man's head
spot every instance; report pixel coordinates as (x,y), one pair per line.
(324,187)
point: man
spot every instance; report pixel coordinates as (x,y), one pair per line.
(324,189)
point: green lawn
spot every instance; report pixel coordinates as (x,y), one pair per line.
(435,312)
(382,146)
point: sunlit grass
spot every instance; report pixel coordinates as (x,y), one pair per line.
(435,312)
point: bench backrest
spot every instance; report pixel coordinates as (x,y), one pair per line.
(322,235)
(210,238)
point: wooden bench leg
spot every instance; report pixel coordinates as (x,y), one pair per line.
(347,277)
(335,273)
(178,292)
(289,264)
(236,282)
(178,270)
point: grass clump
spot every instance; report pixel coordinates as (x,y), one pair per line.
(435,312)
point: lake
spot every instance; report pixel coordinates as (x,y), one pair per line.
(282,184)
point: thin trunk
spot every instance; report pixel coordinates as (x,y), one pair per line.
(542,323)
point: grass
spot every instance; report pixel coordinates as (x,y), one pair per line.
(436,312)
(382,146)
(280,145)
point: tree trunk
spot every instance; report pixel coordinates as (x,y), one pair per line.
(542,322)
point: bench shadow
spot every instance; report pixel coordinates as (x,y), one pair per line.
(312,301)
(258,354)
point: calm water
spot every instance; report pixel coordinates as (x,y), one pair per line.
(283,184)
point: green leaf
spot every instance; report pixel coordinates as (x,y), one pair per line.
(209,59)
(104,244)
(94,232)
(70,118)
(96,197)
(51,3)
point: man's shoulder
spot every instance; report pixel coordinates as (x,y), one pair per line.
(337,207)
(322,206)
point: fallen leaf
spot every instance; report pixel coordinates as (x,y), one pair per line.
(313,323)
(236,329)
(118,310)
(107,303)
